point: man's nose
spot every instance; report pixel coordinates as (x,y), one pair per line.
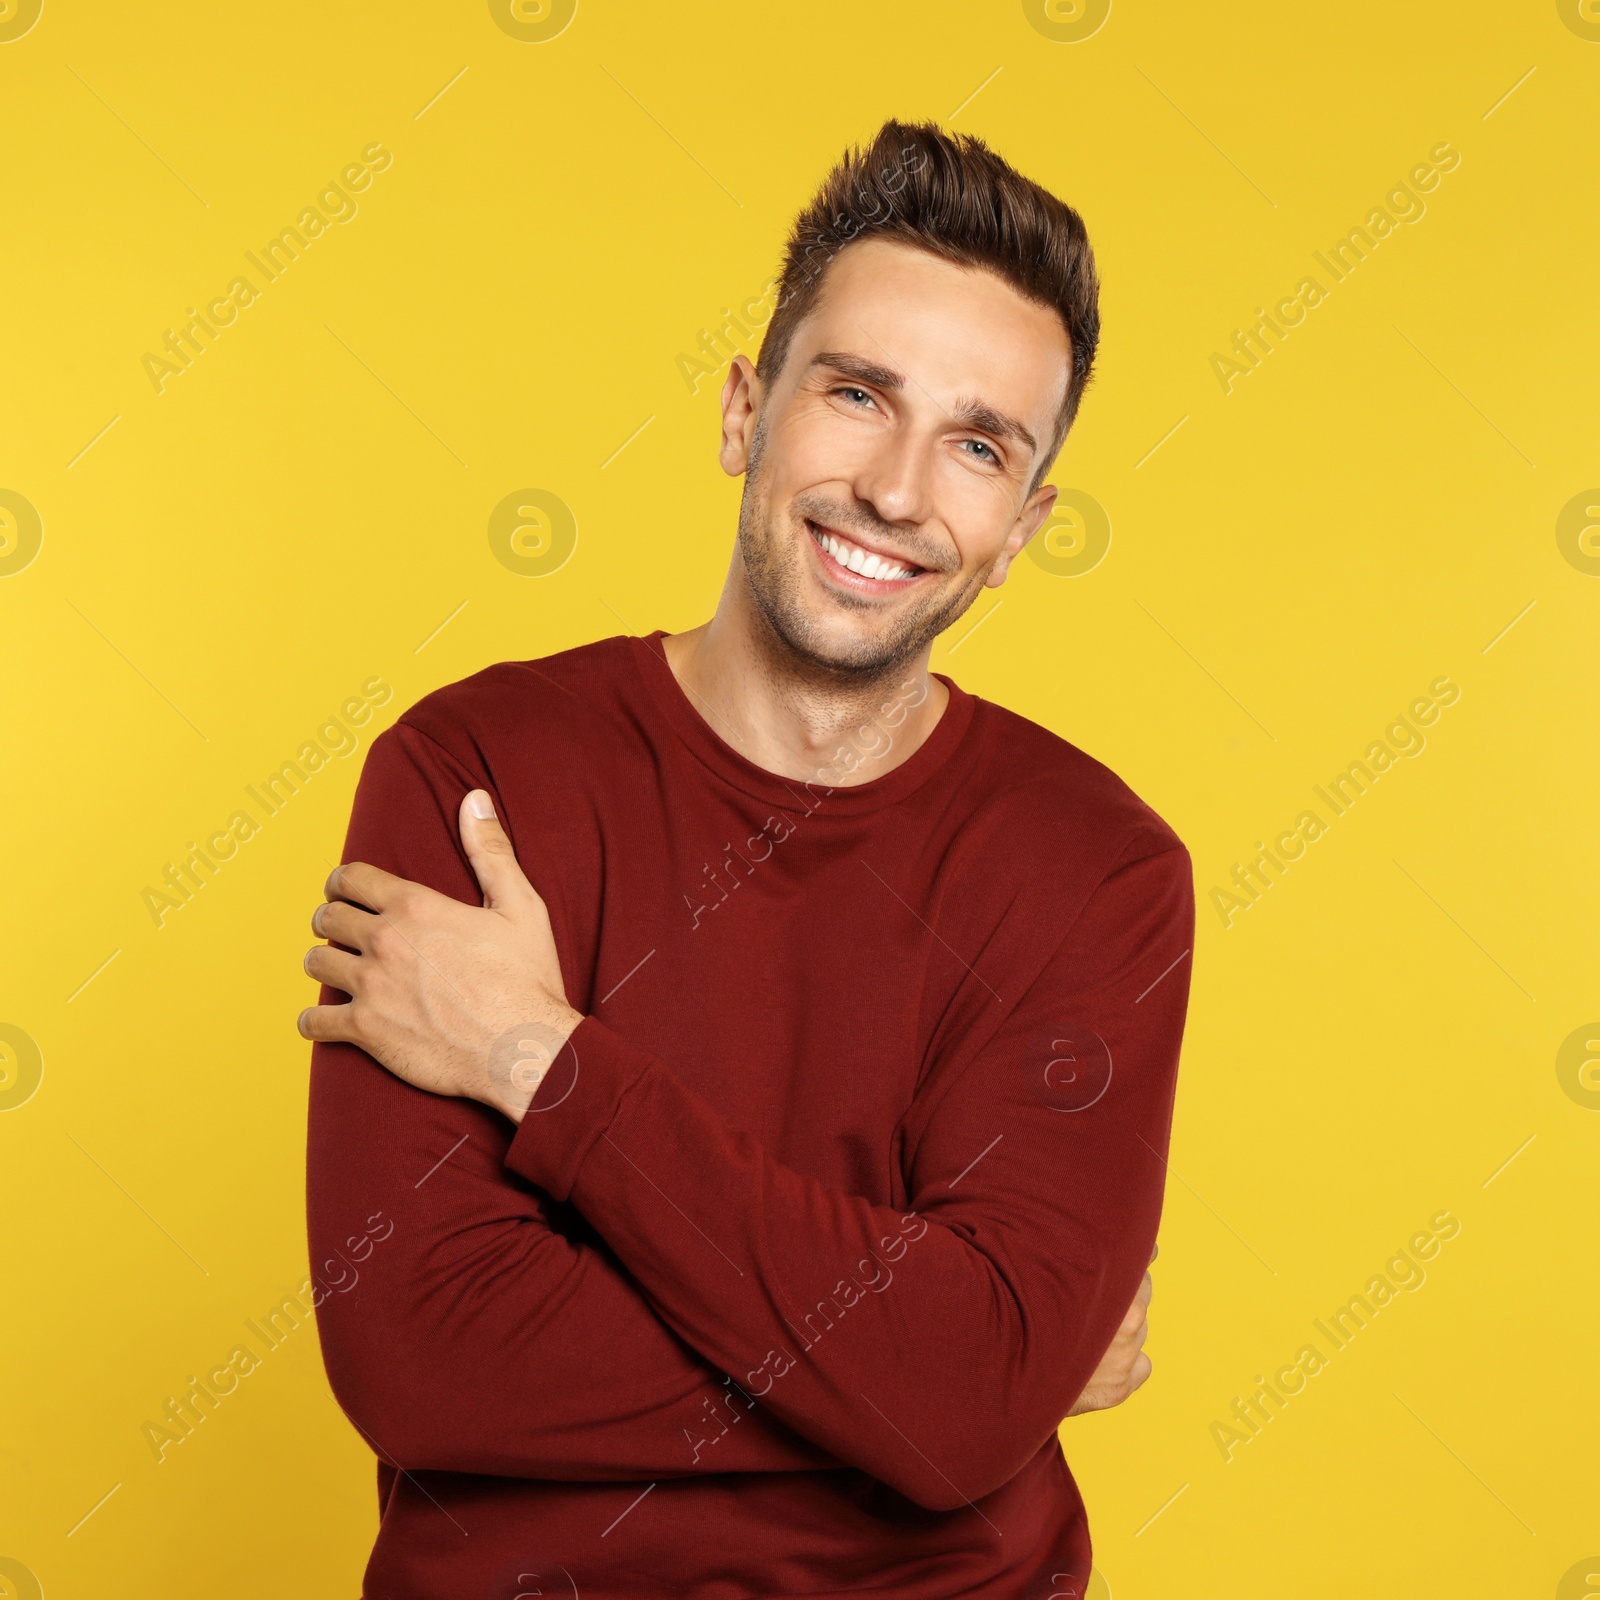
(895,479)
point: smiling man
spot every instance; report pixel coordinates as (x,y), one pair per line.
(764,1049)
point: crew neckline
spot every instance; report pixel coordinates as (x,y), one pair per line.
(716,754)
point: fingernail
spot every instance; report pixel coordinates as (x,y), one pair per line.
(300,1024)
(480,804)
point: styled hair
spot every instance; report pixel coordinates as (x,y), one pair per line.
(952,196)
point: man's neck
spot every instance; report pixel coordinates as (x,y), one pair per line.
(793,717)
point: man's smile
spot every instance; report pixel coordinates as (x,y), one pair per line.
(859,567)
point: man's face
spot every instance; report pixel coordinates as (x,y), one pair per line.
(906,424)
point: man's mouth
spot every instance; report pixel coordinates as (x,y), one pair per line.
(842,555)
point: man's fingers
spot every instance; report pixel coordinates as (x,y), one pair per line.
(500,876)
(345,924)
(333,1023)
(336,968)
(1155,1250)
(364,885)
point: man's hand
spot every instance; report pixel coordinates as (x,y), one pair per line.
(456,999)
(1125,1365)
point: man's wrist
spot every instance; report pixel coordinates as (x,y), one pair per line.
(520,1058)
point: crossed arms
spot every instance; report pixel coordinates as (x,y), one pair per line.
(581,1326)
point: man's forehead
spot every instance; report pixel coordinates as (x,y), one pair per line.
(908,312)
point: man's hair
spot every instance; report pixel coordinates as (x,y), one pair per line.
(952,196)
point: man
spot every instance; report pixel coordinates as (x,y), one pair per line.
(780,1041)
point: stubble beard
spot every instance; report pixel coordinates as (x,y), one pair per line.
(773,568)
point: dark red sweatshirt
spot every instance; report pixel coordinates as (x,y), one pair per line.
(829,1209)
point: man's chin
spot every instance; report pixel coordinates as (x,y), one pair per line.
(862,649)
(831,637)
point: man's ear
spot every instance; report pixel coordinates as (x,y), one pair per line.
(742,393)
(1033,517)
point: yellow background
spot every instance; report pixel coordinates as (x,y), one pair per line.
(309,502)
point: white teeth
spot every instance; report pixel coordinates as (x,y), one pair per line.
(860,561)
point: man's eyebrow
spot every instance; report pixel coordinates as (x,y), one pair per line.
(864,371)
(969,413)
(975,414)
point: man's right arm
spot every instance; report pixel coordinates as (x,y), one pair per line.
(469,1323)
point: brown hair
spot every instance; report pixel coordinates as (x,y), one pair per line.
(951,195)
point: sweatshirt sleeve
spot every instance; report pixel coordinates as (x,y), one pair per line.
(469,1323)
(937,1347)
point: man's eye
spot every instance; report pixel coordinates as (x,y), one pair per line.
(860,396)
(988,453)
